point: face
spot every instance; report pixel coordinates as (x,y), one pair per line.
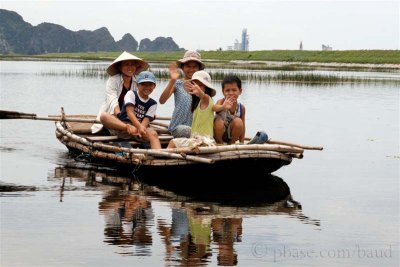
(231,90)
(202,86)
(145,89)
(189,68)
(128,67)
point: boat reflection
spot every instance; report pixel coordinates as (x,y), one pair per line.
(193,221)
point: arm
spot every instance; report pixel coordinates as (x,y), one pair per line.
(223,104)
(132,117)
(194,89)
(243,117)
(150,115)
(112,94)
(170,89)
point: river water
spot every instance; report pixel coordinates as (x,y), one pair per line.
(86,215)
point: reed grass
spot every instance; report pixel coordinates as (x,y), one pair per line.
(161,72)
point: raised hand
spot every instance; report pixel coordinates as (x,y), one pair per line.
(194,89)
(229,102)
(174,72)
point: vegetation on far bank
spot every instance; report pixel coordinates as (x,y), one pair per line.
(346,56)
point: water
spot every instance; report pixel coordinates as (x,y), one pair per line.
(83,215)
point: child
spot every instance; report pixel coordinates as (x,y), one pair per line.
(229,123)
(202,108)
(181,117)
(121,80)
(137,112)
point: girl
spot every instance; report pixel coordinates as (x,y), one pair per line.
(122,71)
(182,117)
(202,107)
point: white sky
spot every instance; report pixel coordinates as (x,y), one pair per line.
(209,25)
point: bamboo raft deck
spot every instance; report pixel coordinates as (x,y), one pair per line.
(223,160)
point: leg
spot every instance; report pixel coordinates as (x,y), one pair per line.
(152,136)
(171,144)
(219,129)
(111,122)
(236,130)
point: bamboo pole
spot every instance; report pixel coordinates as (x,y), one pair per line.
(156,118)
(270,141)
(152,152)
(207,150)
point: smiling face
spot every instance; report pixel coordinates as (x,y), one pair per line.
(189,68)
(145,89)
(231,90)
(128,68)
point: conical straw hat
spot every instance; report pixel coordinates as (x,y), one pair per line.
(140,63)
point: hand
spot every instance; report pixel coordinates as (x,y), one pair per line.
(131,130)
(228,103)
(142,130)
(174,72)
(194,89)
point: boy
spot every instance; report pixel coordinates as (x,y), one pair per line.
(229,123)
(137,112)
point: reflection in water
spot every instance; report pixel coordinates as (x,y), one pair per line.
(200,223)
(127,221)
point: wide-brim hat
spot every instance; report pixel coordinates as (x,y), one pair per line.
(205,79)
(141,65)
(191,56)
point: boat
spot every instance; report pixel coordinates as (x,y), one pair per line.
(240,159)
(205,162)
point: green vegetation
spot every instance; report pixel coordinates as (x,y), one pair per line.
(349,56)
(308,78)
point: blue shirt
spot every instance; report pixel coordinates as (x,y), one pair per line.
(182,114)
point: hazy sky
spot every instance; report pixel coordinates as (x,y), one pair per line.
(209,25)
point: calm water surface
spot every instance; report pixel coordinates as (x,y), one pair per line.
(85,215)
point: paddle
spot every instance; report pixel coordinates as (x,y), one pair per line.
(6,114)
(9,114)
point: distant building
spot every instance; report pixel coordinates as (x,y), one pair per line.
(326,48)
(245,40)
(301,45)
(243,45)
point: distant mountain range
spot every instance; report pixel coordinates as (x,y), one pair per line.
(18,36)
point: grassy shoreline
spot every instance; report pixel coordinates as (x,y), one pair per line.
(290,56)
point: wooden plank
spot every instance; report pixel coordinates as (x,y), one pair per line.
(102,138)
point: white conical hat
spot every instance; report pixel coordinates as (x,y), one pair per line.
(141,64)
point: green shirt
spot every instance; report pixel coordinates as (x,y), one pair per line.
(203,120)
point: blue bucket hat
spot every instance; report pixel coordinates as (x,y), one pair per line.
(146,76)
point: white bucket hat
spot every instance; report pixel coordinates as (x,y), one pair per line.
(191,56)
(205,79)
(141,65)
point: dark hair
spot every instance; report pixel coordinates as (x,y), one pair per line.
(232,79)
(198,64)
(196,99)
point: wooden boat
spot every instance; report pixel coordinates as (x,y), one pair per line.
(242,159)
(205,162)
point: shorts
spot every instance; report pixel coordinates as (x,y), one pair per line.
(181,131)
(193,142)
(226,137)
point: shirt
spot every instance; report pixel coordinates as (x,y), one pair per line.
(143,108)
